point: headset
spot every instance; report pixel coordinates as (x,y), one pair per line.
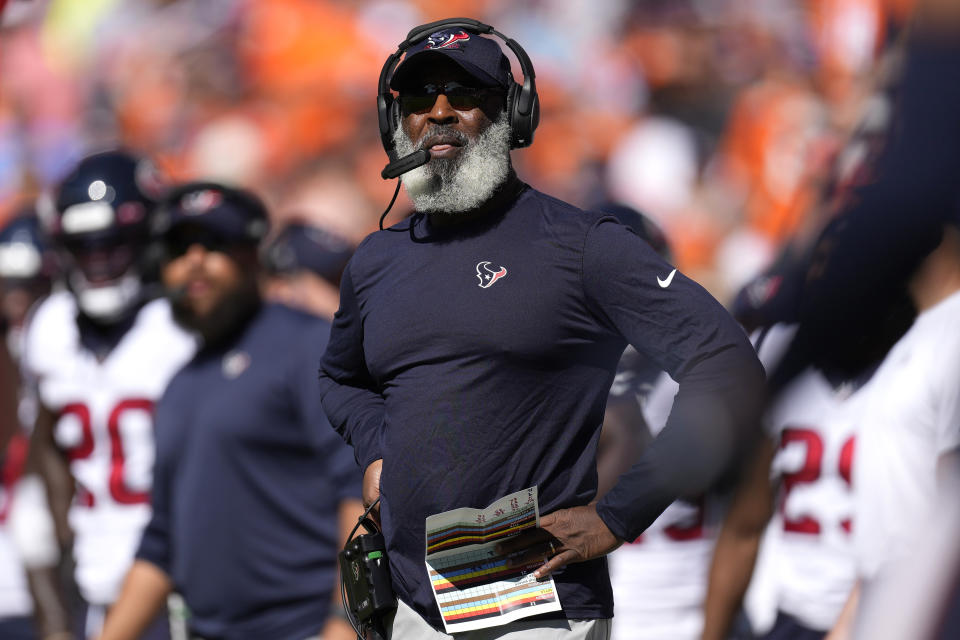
(523,105)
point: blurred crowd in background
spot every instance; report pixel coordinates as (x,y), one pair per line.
(718,118)
(727,122)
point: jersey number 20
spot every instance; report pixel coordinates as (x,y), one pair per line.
(119,491)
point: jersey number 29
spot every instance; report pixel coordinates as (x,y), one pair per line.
(809,473)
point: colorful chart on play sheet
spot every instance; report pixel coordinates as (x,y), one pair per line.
(472,584)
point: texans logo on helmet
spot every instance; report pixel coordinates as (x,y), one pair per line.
(198,202)
(487,275)
(762,290)
(130,213)
(446,39)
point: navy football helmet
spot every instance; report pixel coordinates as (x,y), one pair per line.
(28,268)
(26,256)
(99,217)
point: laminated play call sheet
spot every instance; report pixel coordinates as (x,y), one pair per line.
(472,584)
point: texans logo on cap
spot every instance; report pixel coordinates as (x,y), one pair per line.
(446,39)
(199,202)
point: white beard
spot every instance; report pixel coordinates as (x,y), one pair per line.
(462,183)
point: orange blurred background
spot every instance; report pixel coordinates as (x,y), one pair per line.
(718,118)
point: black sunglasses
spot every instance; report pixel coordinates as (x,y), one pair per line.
(179,241)
(460,97)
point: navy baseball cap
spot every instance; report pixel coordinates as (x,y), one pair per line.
(236,215)
(481,57)
(304,246)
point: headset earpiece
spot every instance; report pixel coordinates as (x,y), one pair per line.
(524,107)
(385,115)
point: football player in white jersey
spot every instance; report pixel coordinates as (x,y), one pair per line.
(101,353)
(802,472)
(27,270)
(16,605)
(658,579)
(909,447)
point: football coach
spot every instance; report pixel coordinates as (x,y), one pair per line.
(476,341)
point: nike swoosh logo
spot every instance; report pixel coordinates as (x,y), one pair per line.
(666,283)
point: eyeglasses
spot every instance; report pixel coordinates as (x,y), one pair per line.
(460,97)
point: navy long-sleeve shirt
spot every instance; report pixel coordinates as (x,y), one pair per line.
(476,361)
(247,484)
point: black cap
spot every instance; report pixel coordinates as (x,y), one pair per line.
(481,57)
(234,214)
(304,246)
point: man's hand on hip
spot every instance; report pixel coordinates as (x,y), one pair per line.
(371,488)
(565,536)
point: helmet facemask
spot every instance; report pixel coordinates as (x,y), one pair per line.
(104,275)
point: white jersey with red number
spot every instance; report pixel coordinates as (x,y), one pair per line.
(105,427)
(660,580)
(912,417)
(813,426)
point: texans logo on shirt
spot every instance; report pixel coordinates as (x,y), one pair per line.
(446,39)
(235,363)
(487,275)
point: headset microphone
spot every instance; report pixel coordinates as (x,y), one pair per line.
(397,168)
(408,162)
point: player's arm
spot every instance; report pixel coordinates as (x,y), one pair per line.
(144,592)
(349,395)
(737,545)
(51,464)
(32,532)
(44,580)
(843,628)
(9,381)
